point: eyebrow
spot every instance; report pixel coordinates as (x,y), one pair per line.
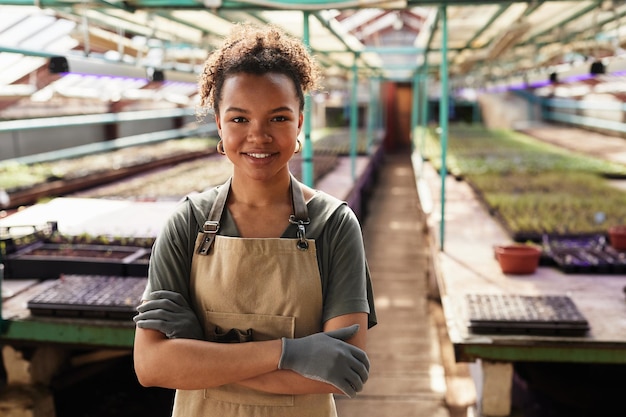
(276,110)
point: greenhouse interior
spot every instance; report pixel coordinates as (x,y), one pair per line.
(481,146)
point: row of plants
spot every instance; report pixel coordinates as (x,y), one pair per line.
(327,144)
(199,175)
(337,141)
(172,183)
(532,187)
(16,176)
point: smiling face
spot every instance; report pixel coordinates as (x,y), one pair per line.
(259,122)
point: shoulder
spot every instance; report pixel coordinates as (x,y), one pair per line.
(329,213)
(196,206)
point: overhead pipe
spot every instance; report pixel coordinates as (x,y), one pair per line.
(328,26)
(28,52)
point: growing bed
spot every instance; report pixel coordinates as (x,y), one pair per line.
(531,187)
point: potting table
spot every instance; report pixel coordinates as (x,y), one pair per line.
(75,216)
(467,265)
(34,348)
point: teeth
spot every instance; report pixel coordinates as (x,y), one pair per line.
(260,155)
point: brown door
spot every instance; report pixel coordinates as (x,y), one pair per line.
(398,102)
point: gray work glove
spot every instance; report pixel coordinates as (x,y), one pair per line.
(169,313)
(327,357)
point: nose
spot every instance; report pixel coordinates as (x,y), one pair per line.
(259,132)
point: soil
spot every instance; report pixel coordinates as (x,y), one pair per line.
(79,253)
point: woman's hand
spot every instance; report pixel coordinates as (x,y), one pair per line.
(327,357)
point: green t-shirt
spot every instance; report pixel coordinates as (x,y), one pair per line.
(346,284)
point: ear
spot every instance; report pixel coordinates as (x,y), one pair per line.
(300,121)
(218,123)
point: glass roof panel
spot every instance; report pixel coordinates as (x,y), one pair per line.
(23,30)
(484,39)
(56,30)
(15,66)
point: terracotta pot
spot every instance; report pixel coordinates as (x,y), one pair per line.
(518,259)
(617,237)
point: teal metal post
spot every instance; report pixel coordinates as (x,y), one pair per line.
(476,113)
(354,114)
(443,118)
(2,322)
(307,151)
(380,115)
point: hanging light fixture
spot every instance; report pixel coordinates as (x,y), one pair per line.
(597,67)
(181,76)
(91,66)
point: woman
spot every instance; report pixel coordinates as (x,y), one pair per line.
(259,297)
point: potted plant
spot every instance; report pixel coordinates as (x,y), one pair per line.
(617,237)
(519,259)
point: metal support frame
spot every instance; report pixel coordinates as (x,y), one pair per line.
(443,120)
(354,115)
(308,177)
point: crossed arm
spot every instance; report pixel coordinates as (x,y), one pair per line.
(181,363)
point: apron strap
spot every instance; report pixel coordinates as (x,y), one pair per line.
(300,210)
(300,218)
(212,224)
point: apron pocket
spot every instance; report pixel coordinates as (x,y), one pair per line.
(230,336)
(264,327)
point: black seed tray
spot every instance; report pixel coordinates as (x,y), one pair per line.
(524,314)
(110,297)
(584,254)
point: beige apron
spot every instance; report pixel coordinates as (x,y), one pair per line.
(271,286)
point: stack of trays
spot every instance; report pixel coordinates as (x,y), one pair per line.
(584,254)
(100,296)
(524,314)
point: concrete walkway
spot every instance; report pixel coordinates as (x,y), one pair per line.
(407,376)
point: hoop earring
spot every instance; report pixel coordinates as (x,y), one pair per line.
(299,148)
(220,147)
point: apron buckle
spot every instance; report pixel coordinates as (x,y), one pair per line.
(302,242)
(210,229)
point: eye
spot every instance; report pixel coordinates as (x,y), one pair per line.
(239,119)
(279,119)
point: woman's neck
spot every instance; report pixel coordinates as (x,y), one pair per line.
(253,193)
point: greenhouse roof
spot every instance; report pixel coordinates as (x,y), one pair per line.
(486,41)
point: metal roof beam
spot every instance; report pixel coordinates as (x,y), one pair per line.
(562,22)
(486,26)
(328,26)
(403,50)
(310,5)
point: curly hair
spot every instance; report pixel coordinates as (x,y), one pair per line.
(259,51)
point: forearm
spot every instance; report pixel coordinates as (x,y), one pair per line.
(289,382)
(193,364)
